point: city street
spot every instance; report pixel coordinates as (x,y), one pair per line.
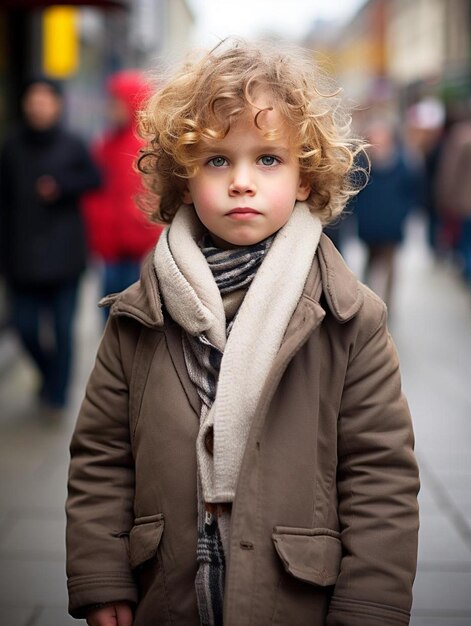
(431,324)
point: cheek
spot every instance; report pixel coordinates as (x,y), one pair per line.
(202,194)
(282,201)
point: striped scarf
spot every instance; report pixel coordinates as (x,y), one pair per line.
(232,270)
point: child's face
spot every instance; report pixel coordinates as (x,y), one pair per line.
(246,186)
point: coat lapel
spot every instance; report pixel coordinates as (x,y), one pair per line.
(339,284)
(174,343)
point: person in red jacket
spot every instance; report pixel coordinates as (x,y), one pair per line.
(119,233)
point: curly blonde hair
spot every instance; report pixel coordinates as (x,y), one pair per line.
(208,94)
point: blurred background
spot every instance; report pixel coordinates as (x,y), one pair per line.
(405,67)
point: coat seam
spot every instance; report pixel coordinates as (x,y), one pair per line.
(167,597)
(277,595)
(369,337)
(362,606)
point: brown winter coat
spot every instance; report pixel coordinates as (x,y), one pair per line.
(324,523)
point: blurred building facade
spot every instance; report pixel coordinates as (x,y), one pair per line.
(103,36)
(392,53)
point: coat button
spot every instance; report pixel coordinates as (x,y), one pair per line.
(209,441)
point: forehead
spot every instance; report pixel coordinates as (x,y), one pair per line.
(256,124)
(41,90)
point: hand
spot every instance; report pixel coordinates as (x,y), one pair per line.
(47,188)
(119,614)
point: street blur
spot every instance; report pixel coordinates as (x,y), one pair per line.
(406,69)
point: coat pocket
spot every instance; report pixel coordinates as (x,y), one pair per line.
(144,538)
(310,554)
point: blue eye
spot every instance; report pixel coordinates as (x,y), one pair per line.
(268,160)
(217,161)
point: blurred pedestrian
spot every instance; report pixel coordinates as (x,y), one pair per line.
(426,127)
(381,208)
(119,233)
(244,451)
(44,171)
(453,188)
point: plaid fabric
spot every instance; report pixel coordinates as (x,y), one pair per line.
(232,270)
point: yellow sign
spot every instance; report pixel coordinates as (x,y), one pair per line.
(60,41)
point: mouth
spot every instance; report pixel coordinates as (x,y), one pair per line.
(243,211)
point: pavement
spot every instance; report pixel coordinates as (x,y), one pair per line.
(430,321)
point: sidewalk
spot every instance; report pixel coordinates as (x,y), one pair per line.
(33,468)
(433,335)
(431,325)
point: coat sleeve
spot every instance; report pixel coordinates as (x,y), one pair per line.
(101,486)
(81,176)
(377,486)
(5,202)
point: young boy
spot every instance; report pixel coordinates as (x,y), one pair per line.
(243,454)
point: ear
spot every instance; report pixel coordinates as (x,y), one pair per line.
(304,189)
(186,196)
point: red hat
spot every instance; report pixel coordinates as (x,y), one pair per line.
(129,86)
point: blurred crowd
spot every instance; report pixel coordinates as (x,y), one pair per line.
(65,206)
(419,164)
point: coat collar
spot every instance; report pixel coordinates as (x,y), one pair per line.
(340,286)
(340,289)
(141,300)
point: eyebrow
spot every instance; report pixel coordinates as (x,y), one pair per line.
(212,149)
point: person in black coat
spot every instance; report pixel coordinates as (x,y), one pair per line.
(43,171)
(394,189)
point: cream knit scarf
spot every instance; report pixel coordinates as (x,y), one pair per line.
(193,300)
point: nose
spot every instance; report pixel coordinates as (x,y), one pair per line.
(242,182)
